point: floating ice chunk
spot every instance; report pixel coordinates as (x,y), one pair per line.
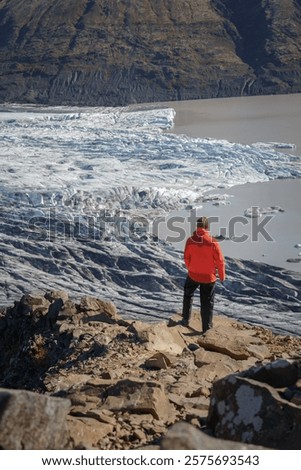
(217,198)
(221,203)
(259,211)
(273,145)
(280,145)
(252,212)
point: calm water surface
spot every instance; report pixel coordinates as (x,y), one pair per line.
(249,120)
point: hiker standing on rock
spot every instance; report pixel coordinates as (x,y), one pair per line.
(203,257)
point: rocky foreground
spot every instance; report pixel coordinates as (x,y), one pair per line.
(93,380)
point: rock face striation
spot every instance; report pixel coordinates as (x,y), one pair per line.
(109,52)
(94,380)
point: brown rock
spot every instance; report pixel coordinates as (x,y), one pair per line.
(234,343)
(159,337)
(203,357)
(57,294)
(66,381)
(139,434)
(140,397)
(100,416)
(87,432)
(98,310)
(212,372)
(184,436)
(34,303)
(200,402)
(31,421)
(158,361)
(138,420)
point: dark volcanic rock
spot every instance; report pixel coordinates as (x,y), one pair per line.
(247,407)
(109,52)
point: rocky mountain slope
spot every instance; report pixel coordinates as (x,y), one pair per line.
(91,379)
(109,52)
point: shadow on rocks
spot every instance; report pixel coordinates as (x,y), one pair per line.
(31,341)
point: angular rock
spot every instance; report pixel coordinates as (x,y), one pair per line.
(65,381)
(239,345)
(199,402)
(87,432)
(184,436)
(139,420)
(57,294)
(212,372)
(98,310)
(280,373)
(101,416)
(98,365)
(203,357)
(158,361)
(34,303)
(140,397)
(245,409)
(31,421)
(159,337)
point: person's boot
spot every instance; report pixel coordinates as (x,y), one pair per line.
(206,318)
(186,312)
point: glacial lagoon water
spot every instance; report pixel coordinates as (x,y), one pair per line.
(274,237)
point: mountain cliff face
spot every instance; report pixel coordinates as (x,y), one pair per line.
(115,52)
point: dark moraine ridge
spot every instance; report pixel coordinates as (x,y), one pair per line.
(109,52)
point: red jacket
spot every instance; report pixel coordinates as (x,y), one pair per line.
(203,256)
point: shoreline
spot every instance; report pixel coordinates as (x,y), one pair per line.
(245,120)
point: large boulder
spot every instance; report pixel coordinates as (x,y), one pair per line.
(249,407)
(238,344)
(32,421)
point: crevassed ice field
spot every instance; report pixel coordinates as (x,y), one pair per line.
(83,192)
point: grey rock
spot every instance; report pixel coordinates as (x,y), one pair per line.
(244,408)
(184,436)
(279,373)
(32,421)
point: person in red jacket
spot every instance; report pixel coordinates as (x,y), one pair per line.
(203,258)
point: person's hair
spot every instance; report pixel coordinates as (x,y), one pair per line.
(202,222)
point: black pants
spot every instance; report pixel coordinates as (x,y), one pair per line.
(207,292)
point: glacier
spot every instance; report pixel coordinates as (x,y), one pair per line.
(82,190)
